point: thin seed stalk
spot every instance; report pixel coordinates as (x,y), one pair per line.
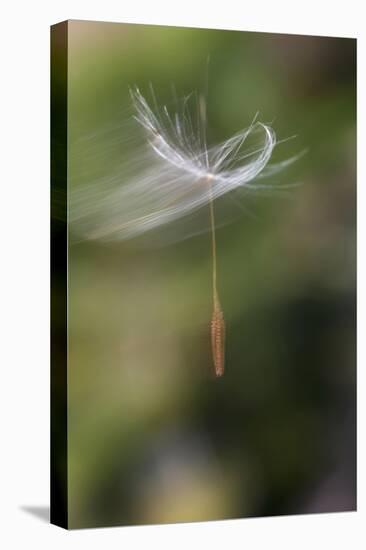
(217,319)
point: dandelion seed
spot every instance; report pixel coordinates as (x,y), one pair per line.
(221,169)
(182,175)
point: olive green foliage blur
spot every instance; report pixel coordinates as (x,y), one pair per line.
(153,437)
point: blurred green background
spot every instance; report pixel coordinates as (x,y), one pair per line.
(153,437)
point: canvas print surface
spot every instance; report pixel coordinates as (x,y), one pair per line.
(203,274)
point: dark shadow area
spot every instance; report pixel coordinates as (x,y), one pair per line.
(40,512)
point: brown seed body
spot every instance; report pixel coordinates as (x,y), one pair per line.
(218,339)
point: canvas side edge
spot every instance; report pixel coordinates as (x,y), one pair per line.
(59,456)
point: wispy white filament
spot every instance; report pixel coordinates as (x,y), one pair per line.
(179,173)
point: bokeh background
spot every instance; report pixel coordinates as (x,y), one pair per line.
(152,435)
